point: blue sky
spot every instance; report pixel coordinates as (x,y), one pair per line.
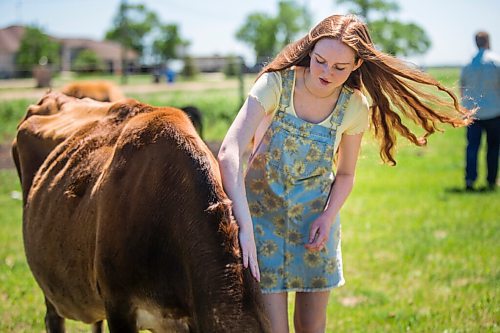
(211,25)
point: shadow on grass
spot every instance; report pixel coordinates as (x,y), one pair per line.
(464,190)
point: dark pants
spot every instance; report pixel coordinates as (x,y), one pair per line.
(474,132)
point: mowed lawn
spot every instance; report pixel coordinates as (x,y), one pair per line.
(419,256)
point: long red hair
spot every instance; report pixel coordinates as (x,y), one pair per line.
(395,88)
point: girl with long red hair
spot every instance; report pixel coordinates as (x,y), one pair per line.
(309,107)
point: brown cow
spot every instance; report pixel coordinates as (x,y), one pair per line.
(125,219)
(103,91)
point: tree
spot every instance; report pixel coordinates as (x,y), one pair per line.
(398,38)
(88,61)
(365,7)
(168,42)
(138,28)
(260,31)
(36,45)
(130,26)
(268,34)
(392,36)
(292,20)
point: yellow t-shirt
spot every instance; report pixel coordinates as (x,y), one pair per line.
(267,91)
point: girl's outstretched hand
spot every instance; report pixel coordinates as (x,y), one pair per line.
(319,233)
(249,252)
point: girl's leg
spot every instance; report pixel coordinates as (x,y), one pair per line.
(276,305)
(310,311)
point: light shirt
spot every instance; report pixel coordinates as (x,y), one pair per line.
(267,91)
(480,81)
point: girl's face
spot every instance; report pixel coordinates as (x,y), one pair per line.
(331,64)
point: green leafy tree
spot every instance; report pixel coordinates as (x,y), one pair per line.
(88,61)
(399,38)
(130,26)
(166,45)
(36,45)
(267,34)
(392,36)
(292,20)
(366,7)
(260,31)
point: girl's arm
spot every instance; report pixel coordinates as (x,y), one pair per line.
(230,156)
(342,186)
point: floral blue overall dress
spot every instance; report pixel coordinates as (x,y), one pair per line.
(288,181)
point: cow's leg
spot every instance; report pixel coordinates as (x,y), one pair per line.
(121,318)
(97,327)
(54,323)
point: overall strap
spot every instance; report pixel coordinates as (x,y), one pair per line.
(286,88)
(338,115)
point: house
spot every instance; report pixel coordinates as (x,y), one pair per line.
(215,63)
(10,40)
(109,52)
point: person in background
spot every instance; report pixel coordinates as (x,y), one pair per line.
(170,75)
(308,106)
(480,89)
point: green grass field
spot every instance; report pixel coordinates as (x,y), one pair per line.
(418,257)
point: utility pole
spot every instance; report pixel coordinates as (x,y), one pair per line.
(240,63)
(19,7)
(124,36)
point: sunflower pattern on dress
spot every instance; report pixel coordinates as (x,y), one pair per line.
(288,181)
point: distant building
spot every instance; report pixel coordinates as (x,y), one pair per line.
(216,63)
(10,40)
(109,52)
